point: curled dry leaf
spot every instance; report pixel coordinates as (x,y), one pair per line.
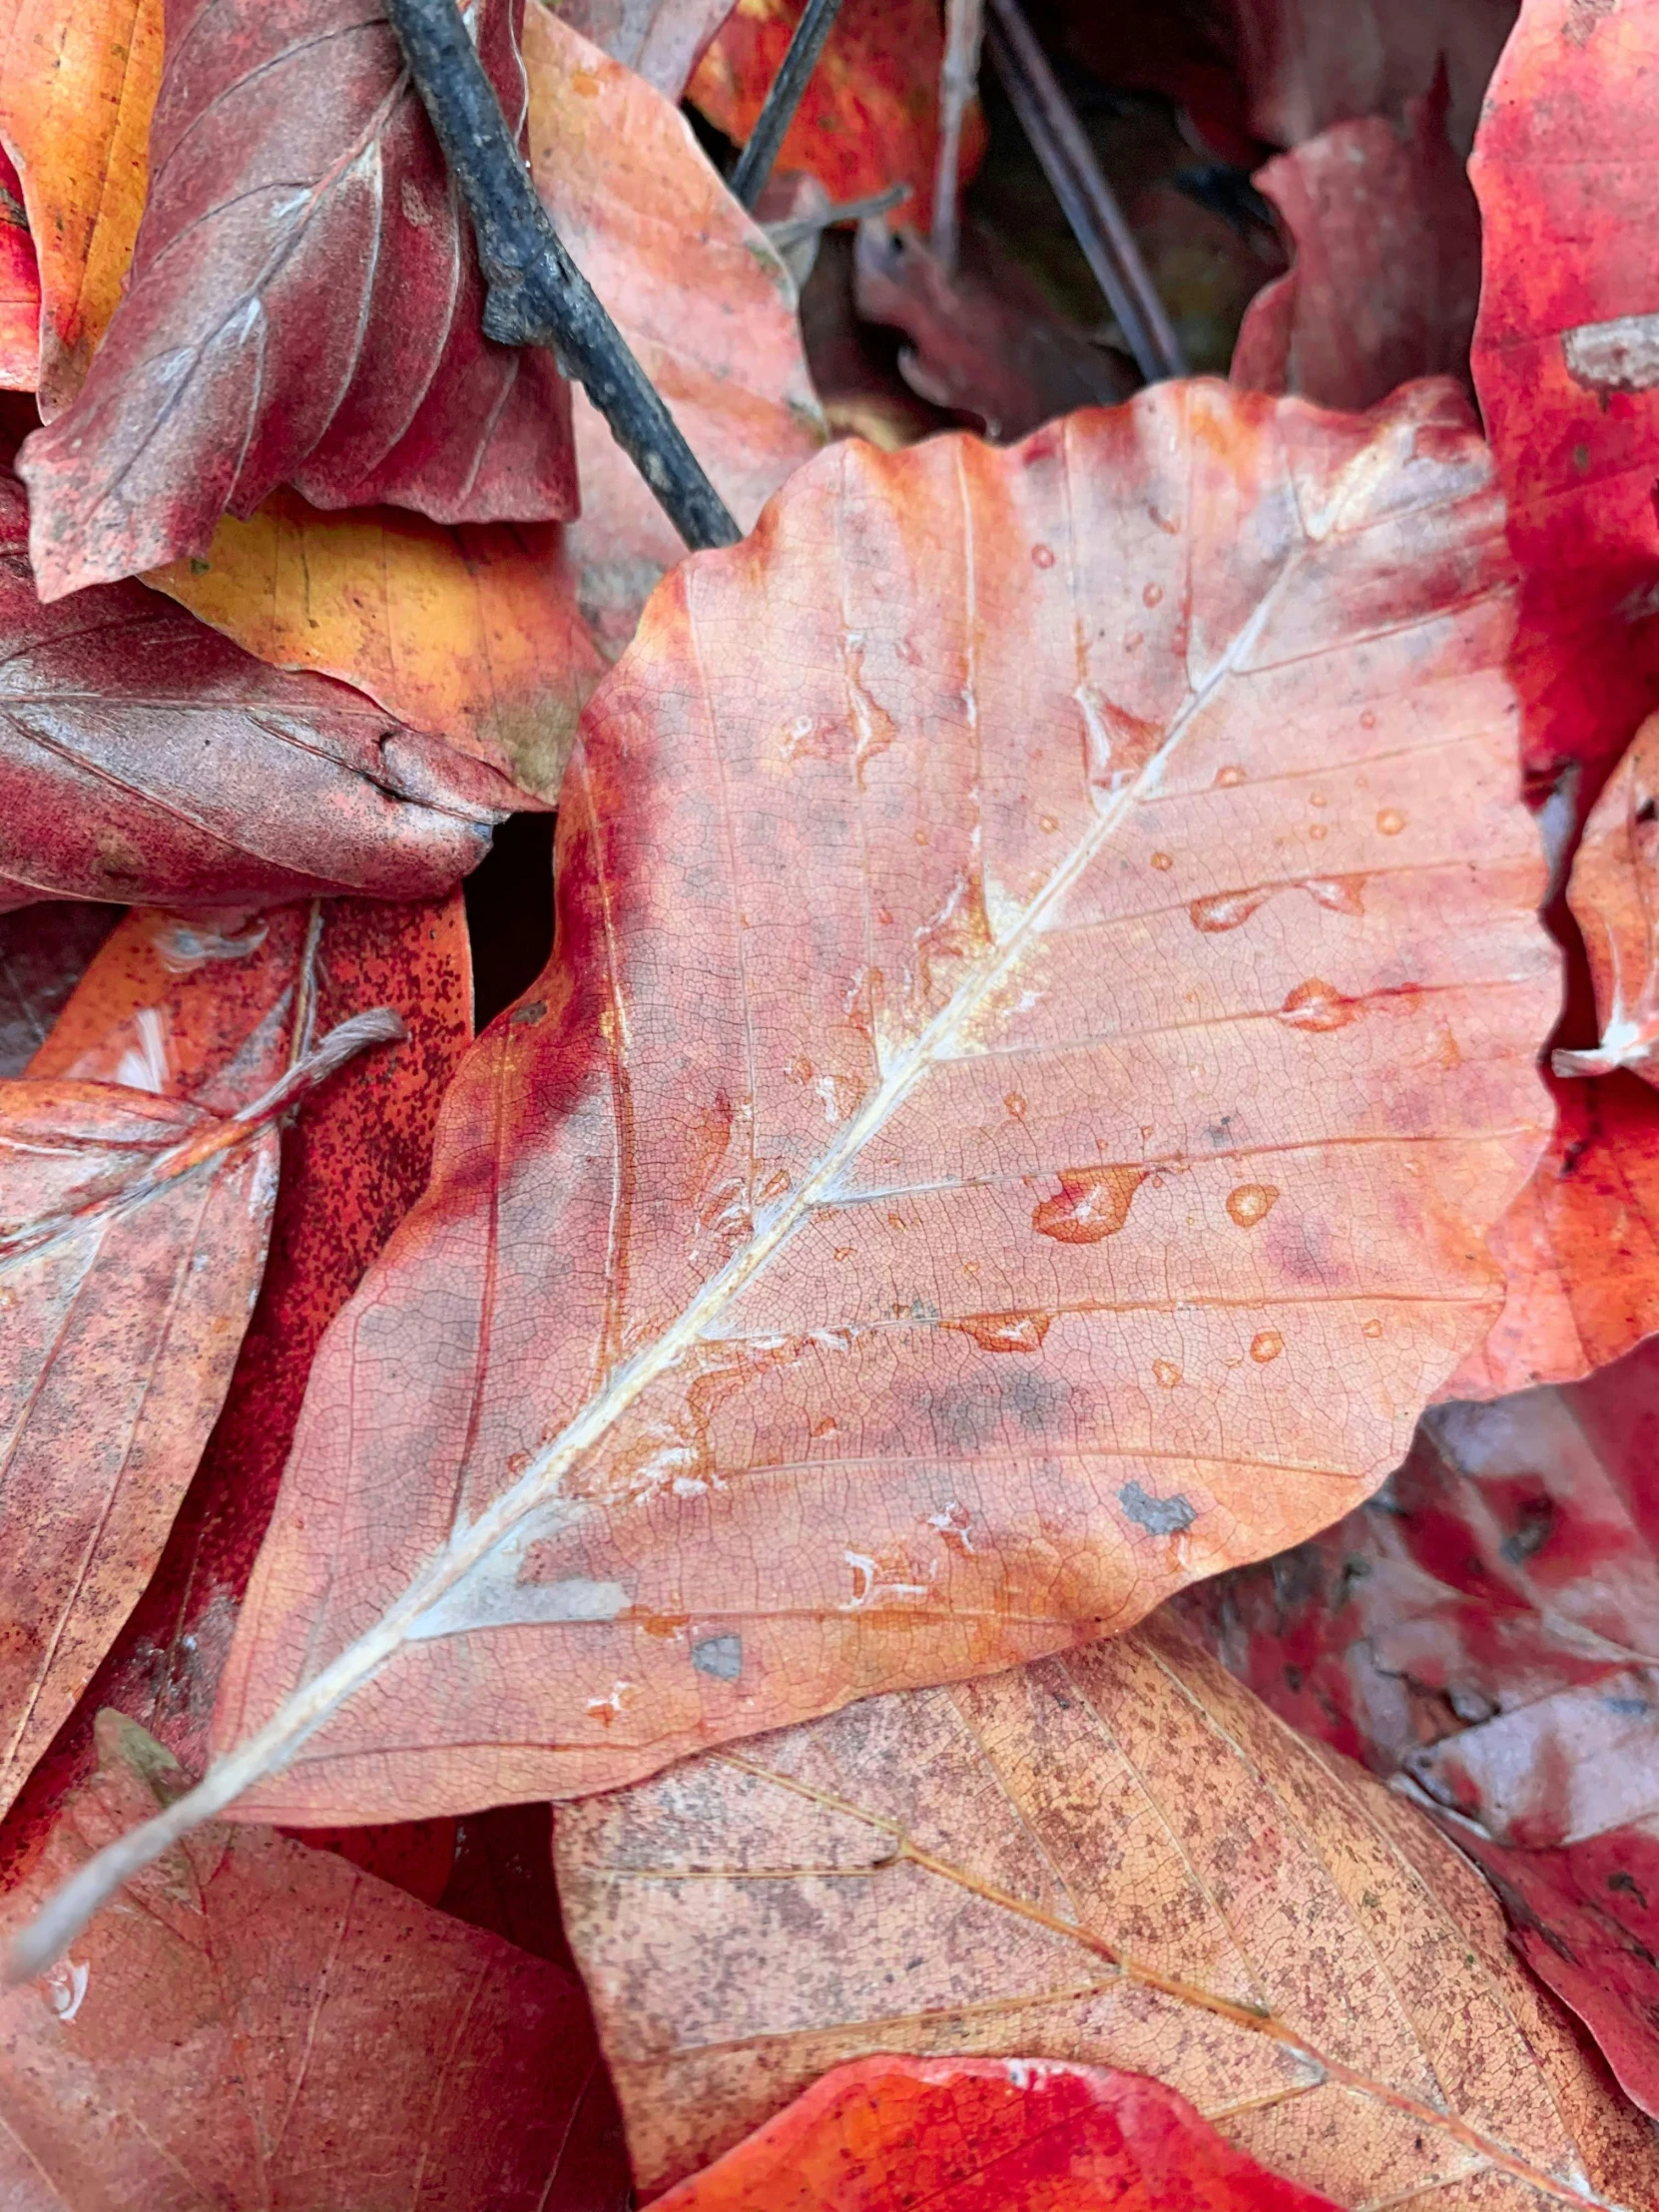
(137,1167)
(1387,263)
(1119,1857)
(869,116)
(43,954)
(1150,1037)
(266,1971)
(696,288)
(142,757)
(1566,363)
(470,634)
(1615,878)
(1488,1627)
(303,305)
(659,40)
(78,84)
(1025,2134)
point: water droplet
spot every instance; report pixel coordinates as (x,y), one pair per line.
(1048,824)
(1091,1203)
(1318,829)
(1317,1004)
(1163,862)
(920,836)
(1252,1203)
(1373,1327)
(1266,1345)
(1391,821)
(1014,1101)
(1368,720)
(1341,893)
(1229,776)
(1005,1332)
(1167,1373)
(1152,595)
(1043,556)
(1318,798)
(1227,910)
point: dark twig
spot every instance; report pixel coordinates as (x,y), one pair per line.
(753,163)
(1090,205)
(537,295)
(964,33)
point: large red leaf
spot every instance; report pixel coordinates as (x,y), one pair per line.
(1118,1857)
(1489,1626)
(1046,975)
(303,305)
(143,757)
(259,2025)
(1566,360)
(1387,263)
(966,2134)
(138,1167)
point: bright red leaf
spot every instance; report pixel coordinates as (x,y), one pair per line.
(303,305)
(987,2135)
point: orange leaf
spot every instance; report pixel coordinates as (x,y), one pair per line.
(78,84)
(1008,1059)
(262,2024)
(138,1165)
(869,117)
(967,2135)
(1119,1857)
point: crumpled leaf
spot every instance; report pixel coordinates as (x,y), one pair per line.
(141,757)
(469,634)
(1150,1038)
(1488,1627)
(869,116)
(303,305)
(964,2133)
(138,1167)
(1566,363)
(43,954)
(78,84)
(259,2023)
(1387,263)
(696,288)
(659,40)
(1118,1857)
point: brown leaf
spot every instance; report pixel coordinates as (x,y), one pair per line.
(138,1165)
(141,757)
(997,1064)
(1119,1857)
(1387,263)
(257,2023)
(303,305)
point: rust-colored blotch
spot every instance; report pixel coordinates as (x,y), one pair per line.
(1391,821)
(1227,910)
(1091,1203)
(1252,1203)
(1167,1373)
(1317,1004)
(1266,1345)
(1005,1332)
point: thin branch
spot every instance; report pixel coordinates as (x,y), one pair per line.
(959,75)
(537,295)
(754,165)
(1091,208)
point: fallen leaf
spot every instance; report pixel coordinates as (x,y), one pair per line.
(19,288)
(1488,1627)
(78,84)
(303,305)
(659,40)
(1027,2135)
(470,634)
(1141,1046)
(259,2023)
(138,1165)
(43,953)
(1387,263)
(1614,877)
(1118,1857)
(982,341)
(869,116)
(1566,360)
(141,757)
(696,291)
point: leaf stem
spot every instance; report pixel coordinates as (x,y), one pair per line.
(537,295)
(753,163)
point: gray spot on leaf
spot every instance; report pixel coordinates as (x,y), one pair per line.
(1160,1517)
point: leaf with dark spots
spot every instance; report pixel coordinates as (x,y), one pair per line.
(143,757)
(138,1165)
(303,305)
